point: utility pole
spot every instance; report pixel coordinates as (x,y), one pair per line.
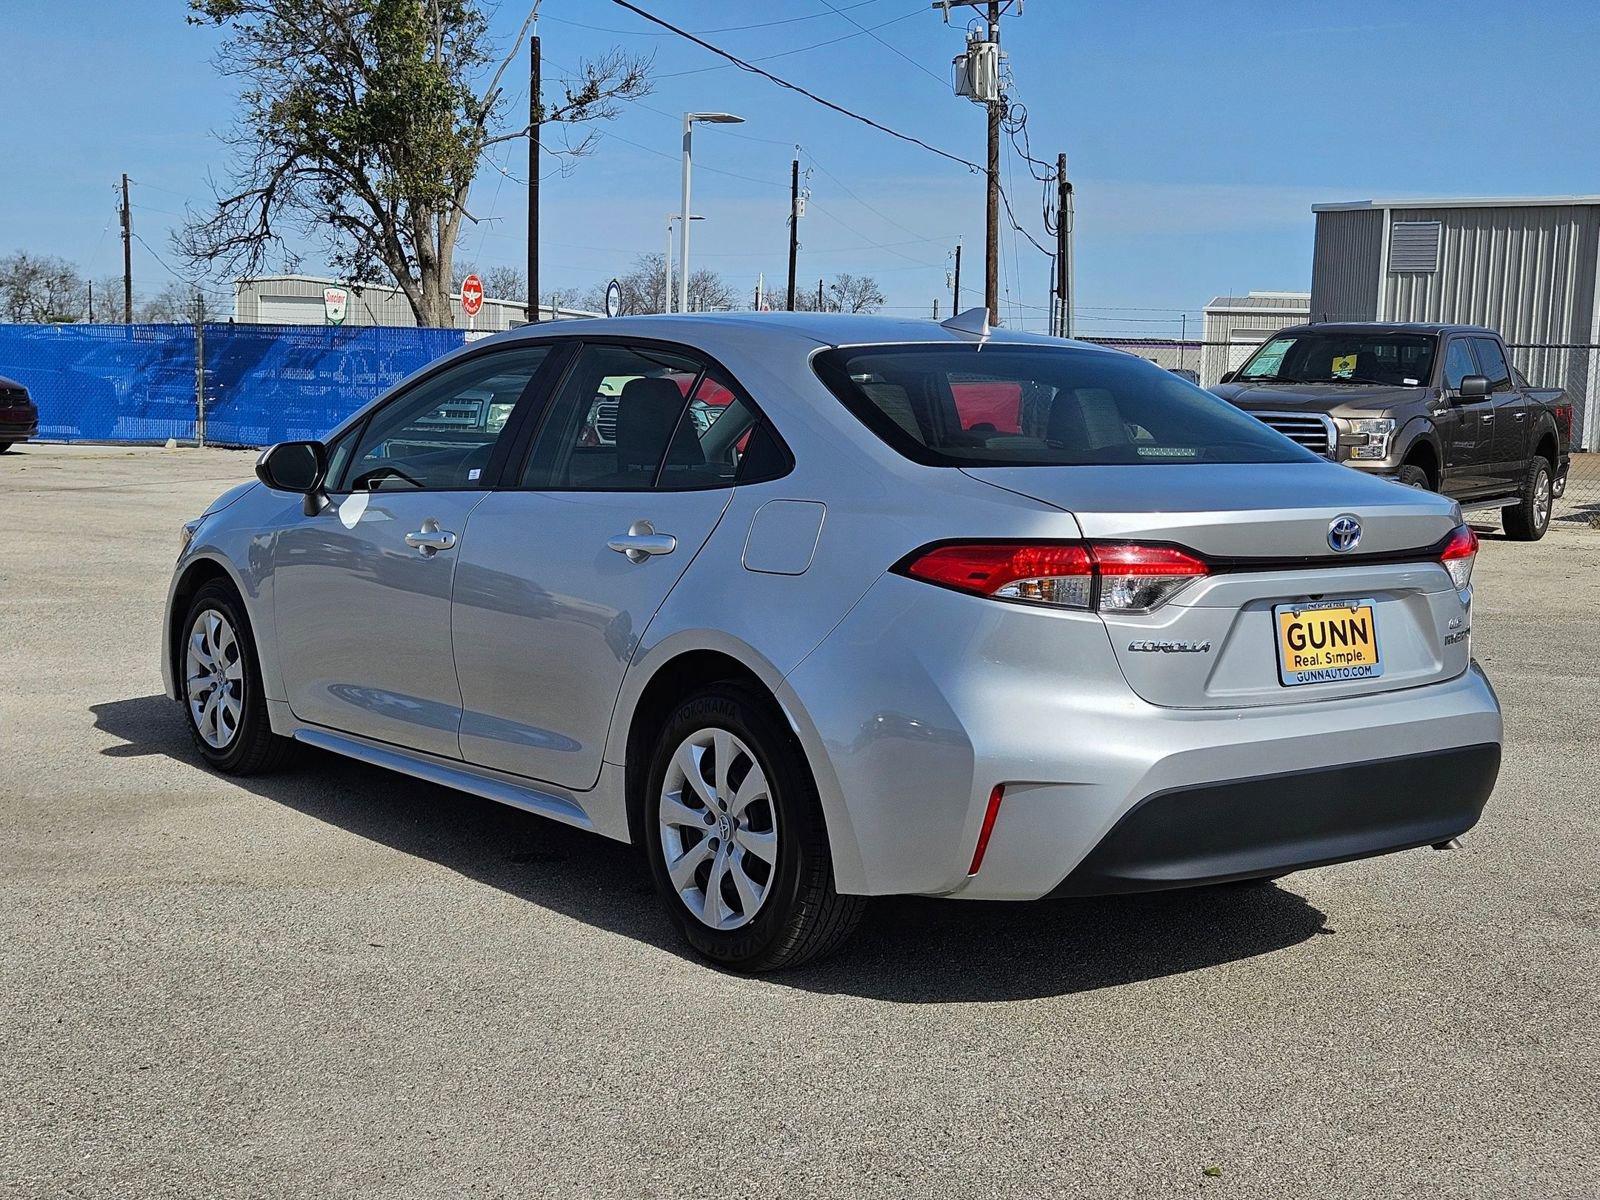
(980,78)
(535,118)
(794,224)
(127,256)
(955,296)
(91,302)
(819,297)
(1063,287)
(991,250)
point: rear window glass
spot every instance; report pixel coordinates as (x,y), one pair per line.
(1006,405)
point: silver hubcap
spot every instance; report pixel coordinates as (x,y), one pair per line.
(718,828)
(1541,499)
(214,679)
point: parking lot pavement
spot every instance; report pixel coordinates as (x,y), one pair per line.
(338,981)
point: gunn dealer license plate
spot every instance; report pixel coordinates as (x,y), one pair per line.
(1327,642)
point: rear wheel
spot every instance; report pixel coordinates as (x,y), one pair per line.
(735,836)
(1527,520)
(222,687)
(4,446)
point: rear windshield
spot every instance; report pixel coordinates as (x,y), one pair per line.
(1006,405)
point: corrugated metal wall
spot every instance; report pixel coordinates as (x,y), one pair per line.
(1526,271)
(1344,265)
(290,301)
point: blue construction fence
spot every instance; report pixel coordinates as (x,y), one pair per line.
(262,383)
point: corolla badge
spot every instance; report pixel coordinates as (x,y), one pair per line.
(1344,532)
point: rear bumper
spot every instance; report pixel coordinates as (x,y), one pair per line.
(1273,824)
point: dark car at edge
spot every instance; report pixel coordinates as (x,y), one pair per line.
(19,418)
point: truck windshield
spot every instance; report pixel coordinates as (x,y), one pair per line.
(1019,405)
(1393,360)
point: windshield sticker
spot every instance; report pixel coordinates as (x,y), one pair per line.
(1344,366)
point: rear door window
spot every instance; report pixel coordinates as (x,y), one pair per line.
(1023,405)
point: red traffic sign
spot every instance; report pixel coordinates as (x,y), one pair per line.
(471,295)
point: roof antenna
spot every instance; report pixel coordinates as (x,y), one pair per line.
(974,321)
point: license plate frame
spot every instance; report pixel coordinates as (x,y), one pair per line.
(1330,670)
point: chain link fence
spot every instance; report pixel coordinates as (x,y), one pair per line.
(252,385)
(212,384)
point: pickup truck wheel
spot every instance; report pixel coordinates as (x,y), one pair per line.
(1413,476)
(4,446)
(1527,520)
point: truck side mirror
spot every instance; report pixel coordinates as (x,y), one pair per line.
(1473,387)
(1227,376)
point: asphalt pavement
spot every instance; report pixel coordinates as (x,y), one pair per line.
(341,982)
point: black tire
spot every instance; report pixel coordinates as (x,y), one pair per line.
(802,916)
(4,446)
(253,749)
(1413,476)
(1523,521)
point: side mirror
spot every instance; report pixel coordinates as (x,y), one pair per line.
(295,467)
(1473,387)
(1227,376)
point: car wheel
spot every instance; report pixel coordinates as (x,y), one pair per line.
(222,687)
(735,836)
(4,446)
(1413,476)
(1527,520)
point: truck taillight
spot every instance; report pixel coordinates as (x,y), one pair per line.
(1109,576)
(1458,555)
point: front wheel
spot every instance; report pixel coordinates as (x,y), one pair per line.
(1413,476)
(4,446)
(1527,520)
(735,836)
(222,687)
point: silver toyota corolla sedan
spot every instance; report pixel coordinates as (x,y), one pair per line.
(836,607)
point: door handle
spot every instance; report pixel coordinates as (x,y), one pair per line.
(1488,418)
(430,539)
(1521,416)
(641,542)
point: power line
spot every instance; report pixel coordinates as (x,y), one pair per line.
(795,87)
(801,49)
(722,29)
(888,46)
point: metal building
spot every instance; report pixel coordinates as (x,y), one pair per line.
(1235,325)
(298,300)
(1525,267)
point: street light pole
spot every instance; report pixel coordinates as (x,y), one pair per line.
(666,282)
(689,119)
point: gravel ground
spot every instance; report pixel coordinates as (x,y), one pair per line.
(341,982)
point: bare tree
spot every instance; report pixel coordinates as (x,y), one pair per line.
(41,288)
(644,289)
(173,303)
(854,294)
(363,122)
(500,282)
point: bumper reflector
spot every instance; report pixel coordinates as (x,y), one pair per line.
(988,827)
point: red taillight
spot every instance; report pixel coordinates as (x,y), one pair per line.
(987,828)
(1113,576)
(1458,555)
(1048,573)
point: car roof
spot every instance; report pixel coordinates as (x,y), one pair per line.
(820,329)
(1359,327)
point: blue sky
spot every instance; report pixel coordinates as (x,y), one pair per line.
(1199,135)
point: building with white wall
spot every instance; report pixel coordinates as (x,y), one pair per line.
(298,300)
(1234,326)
